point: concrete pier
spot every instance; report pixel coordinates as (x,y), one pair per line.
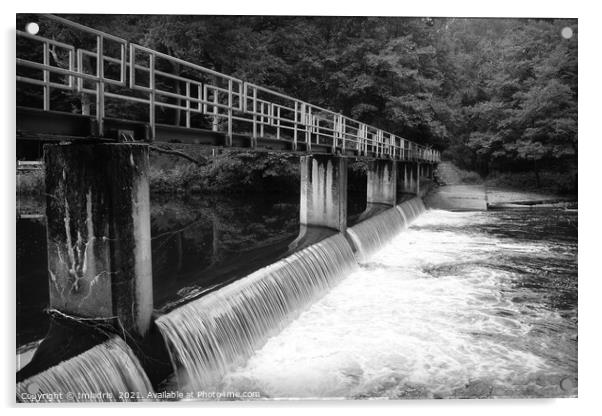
(98,232)
(418,175)
(324,191)
(405,180)
(382,182)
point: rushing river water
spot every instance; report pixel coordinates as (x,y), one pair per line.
(473,304)
(460,305)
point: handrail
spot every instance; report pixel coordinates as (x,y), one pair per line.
(136,74)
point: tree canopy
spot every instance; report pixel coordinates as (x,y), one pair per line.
(492,93)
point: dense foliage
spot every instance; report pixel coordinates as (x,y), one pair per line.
(493,94)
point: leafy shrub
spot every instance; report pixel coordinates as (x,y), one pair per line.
(231,172)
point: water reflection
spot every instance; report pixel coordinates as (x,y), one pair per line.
(198,244)
(203,242)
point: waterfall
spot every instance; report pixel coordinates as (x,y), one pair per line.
(411,209)
(372,234)
(214,334)
(107,372)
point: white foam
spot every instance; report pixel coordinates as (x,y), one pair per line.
(396,326)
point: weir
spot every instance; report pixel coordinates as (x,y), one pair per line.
(98,214)
(218,332)
(372,234)
(209,336)
(110,368)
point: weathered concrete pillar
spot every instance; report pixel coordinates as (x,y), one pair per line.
(382,182)
(324,191)
(98,232)
(323,207)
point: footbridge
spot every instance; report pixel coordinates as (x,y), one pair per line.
(98,101)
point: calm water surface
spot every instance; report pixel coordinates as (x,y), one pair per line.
(198,244)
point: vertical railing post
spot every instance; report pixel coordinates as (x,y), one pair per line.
(254,138)
(343,133)
(187,104)
(230,105)
(132,66)
(335,127)
(295,133)
(46,61)
(123,71)
(306,121)
(199,93)
(100,86)
(72,68)
(151,98)
(215,121)
(361,139)
(262,119)
(278,122)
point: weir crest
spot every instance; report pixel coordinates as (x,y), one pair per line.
(214,334)
(218,332)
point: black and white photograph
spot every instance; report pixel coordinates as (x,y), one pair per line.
(250,207)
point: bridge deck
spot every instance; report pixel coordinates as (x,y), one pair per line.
(86,90)
(51,126)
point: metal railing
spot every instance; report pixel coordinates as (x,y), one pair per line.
(108,68)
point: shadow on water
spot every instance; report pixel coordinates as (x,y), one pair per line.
(199,243)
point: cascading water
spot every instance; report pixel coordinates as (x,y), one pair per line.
(210,336)
(372,234)
(460,305)
(107,372)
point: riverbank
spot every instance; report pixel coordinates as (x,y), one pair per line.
(500,195)
(511,189)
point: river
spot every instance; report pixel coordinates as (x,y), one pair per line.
(461,305)
(198,243)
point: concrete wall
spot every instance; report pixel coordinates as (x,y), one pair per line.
(324,191)
(98,231)
(382,182)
